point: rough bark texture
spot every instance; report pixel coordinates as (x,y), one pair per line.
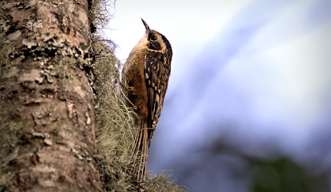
(46,101)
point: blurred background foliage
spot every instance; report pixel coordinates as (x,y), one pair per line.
(267,173)
(284,175)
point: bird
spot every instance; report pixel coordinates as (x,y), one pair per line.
(145,77)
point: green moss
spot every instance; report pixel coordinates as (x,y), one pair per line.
(65,69)
(4,51)
(11,128)
(6,181)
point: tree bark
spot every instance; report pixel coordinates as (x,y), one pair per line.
(46,102)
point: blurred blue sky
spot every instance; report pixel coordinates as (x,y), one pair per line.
(253,73)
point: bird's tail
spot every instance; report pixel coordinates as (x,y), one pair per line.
(139,154)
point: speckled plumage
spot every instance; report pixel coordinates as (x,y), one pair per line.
(145,78)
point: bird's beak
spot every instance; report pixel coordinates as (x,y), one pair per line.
(146,26)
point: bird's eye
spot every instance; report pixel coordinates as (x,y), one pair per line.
(153,38)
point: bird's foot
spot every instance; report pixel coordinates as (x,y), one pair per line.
(127,88)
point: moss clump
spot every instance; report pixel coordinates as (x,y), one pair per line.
(162,183)
(99,15)
(114,136)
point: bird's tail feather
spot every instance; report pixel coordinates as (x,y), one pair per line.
(139,154)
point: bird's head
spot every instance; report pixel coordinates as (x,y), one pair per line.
(154,40)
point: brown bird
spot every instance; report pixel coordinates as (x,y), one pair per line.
(145,79)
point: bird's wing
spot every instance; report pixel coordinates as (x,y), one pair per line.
(156,75)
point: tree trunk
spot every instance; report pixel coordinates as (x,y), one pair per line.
(46,101)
